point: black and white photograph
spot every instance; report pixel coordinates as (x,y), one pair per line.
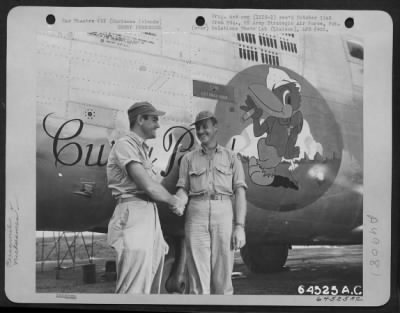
(179,152)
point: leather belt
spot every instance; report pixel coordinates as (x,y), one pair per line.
(137,197)
(211,197)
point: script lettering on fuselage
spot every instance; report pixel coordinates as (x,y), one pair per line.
(167,144)
(57,150)
(78,154)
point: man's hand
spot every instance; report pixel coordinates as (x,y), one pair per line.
(177,205)
(238,237)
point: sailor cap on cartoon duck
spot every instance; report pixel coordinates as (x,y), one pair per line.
(260,95)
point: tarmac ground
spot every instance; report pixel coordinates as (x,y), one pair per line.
(317,266)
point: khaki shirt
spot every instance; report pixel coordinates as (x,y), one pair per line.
(222,173)
(129,148)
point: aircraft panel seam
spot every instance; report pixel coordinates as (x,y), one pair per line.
(116,96)
(116,60)
(139,52)
(160,72)
(119,66)
(134,88)
(130,50)
(53,54)
(192,47)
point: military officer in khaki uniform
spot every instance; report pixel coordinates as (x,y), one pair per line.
(211,178)
(134,230)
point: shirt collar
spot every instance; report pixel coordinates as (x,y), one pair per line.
(139,140)
(204,151)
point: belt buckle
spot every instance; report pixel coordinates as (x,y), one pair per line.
(213,197)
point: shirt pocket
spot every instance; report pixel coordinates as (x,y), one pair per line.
(223,179)
(198,181)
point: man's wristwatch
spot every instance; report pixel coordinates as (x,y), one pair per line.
(240,224)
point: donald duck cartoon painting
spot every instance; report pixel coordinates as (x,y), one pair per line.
(281,120)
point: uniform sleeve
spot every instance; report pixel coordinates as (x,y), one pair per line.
(183,180)
(238,173)
(126,152)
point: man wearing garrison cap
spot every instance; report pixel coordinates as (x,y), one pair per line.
(210,176)
(134,230)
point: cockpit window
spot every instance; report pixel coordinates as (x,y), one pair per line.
(356,50)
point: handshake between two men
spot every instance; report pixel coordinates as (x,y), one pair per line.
(179,202)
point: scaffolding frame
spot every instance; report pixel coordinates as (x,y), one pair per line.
(71,249)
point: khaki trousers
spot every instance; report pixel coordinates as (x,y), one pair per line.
(208,232)
(134,232)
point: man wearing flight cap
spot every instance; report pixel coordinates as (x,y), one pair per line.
(211,177)
(134,230)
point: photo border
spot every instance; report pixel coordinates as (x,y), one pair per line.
(394,151)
